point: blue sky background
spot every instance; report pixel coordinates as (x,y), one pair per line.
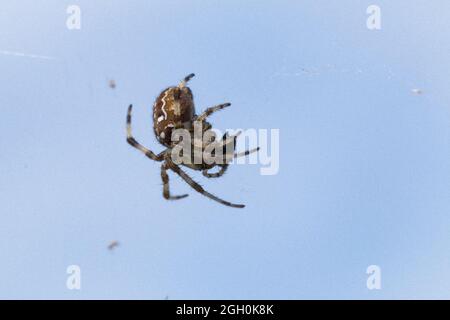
(364,163)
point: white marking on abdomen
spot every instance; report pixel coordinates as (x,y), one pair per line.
(164,104)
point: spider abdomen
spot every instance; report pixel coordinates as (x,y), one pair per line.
(173,109)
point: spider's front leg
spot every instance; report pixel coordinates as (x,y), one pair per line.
(211,110)
(132,141)
(186,80)
(227,140)
(245,153)
(165,179)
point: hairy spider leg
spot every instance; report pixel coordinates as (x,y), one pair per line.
(211,110)
(223,168)
(186,80)
(165,180)
(242,153)
(198,187)
(246,152)
(132,141)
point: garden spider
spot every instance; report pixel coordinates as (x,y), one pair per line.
(174,109)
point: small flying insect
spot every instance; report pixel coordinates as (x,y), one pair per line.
(112,84)
(113,244)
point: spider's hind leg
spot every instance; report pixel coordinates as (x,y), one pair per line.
(198,187)
(166,190)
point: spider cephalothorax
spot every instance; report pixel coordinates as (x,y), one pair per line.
(174,110)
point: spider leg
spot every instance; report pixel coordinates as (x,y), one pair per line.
(186,80)
(222,170)
(211,110)
(228,146)
(226,138)
(132,141)
(245,153)
(166,191)
(198,187)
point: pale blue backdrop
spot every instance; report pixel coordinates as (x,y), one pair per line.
(364,162)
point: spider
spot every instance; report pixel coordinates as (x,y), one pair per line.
(174,109)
